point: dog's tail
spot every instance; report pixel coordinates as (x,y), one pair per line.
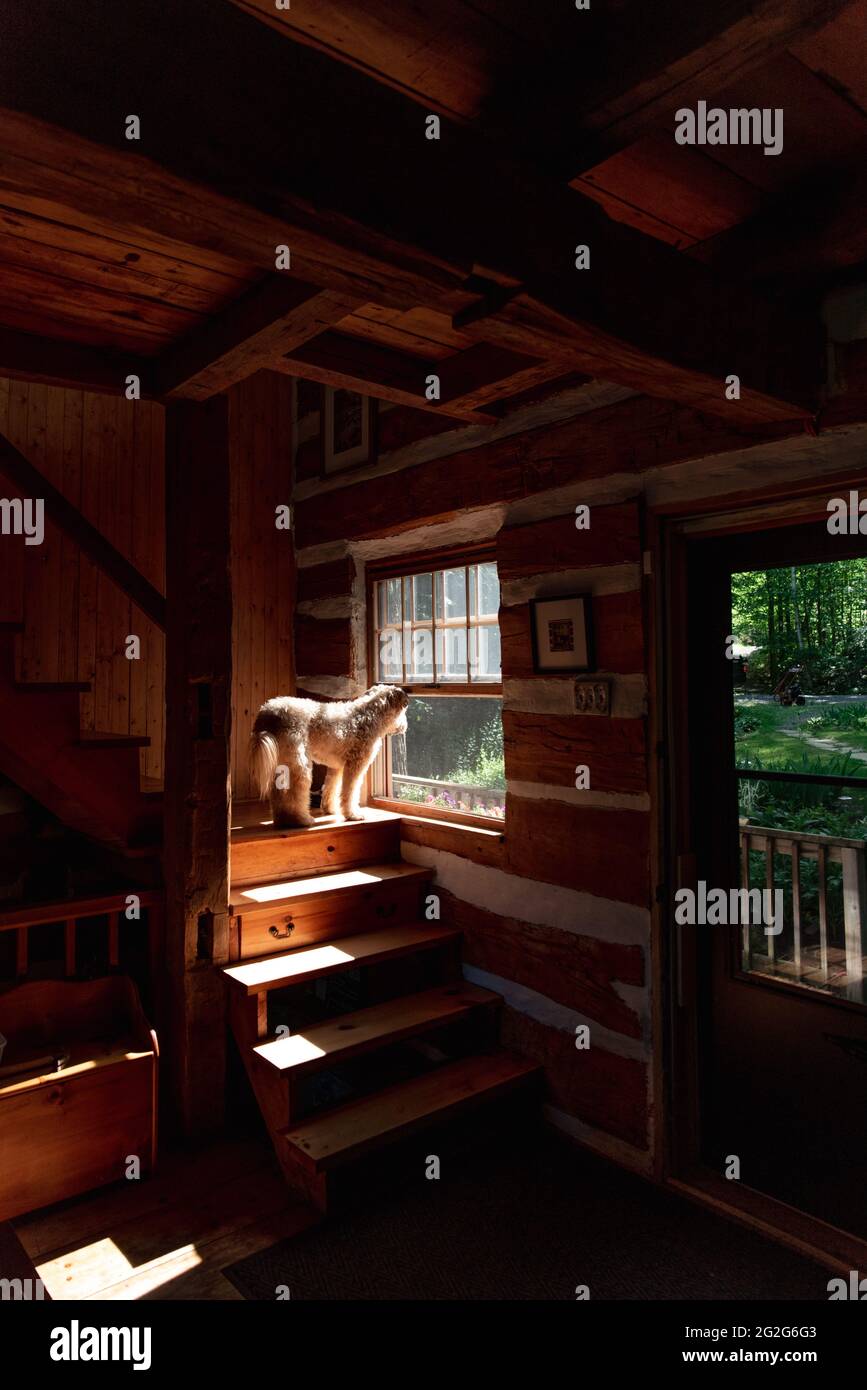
(264,756)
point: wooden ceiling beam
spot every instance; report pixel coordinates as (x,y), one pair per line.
(275,317)
(599,79)
(357,364)
(262,143)
(30,357)
(680,53)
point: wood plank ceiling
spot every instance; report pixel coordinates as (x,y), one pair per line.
(155,255)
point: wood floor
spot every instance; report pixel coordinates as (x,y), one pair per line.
(170,1236)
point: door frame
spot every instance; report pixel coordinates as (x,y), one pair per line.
(677,1078)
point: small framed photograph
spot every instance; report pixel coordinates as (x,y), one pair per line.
(562,638)
(347,429)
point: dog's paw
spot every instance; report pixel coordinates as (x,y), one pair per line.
(354,813)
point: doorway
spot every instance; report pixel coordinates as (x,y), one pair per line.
(766,689)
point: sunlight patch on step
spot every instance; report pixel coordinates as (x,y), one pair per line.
(268,892)
(290,1052)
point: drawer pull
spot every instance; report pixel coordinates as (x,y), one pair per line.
(384,910)
(281,935)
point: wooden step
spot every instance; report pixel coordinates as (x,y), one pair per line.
(305,910)
(98,740)
(272,896)
(328,1140)
(260,853)
(315,962)
(409,1016)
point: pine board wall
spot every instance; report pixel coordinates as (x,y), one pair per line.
(106,455)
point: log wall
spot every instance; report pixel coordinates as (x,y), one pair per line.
(556,914)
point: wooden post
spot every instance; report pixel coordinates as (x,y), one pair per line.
(198,727)
(822,857)
(746,943)
(854,903)
(796,907)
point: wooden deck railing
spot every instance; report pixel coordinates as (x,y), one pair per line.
(484,796)
(831,967)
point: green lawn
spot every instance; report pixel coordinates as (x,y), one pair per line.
(845,738)
(768,744)
(760,738)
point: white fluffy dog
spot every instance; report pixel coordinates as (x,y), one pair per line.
(290,735)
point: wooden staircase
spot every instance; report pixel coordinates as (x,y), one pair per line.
(409,1040)
(90,781)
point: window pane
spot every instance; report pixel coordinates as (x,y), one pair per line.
(423,597)
(392,613)
(453,588)
(419,654)
(452,755)
(486,653)
(389,667)
(452,653)
(489,590)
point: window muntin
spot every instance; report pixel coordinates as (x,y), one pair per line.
(438,627)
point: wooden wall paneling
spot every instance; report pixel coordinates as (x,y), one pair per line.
(73,448)
(19,401)
(140,554)
(121,666)
(92,464)
(112,604)
(49,663)
(12,597)
(152,418)
(105,456)
(36,663)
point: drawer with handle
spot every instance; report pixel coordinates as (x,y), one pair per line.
(371,900)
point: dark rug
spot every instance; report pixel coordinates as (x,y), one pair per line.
(532,1223)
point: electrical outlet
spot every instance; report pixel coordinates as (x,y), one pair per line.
(592,696)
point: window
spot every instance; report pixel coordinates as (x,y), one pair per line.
(435,631)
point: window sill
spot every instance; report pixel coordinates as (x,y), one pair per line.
(481,842)
(487,825)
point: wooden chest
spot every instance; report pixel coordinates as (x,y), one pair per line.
(65,1131)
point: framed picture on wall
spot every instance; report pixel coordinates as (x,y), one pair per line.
(347,429)
(561,631)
